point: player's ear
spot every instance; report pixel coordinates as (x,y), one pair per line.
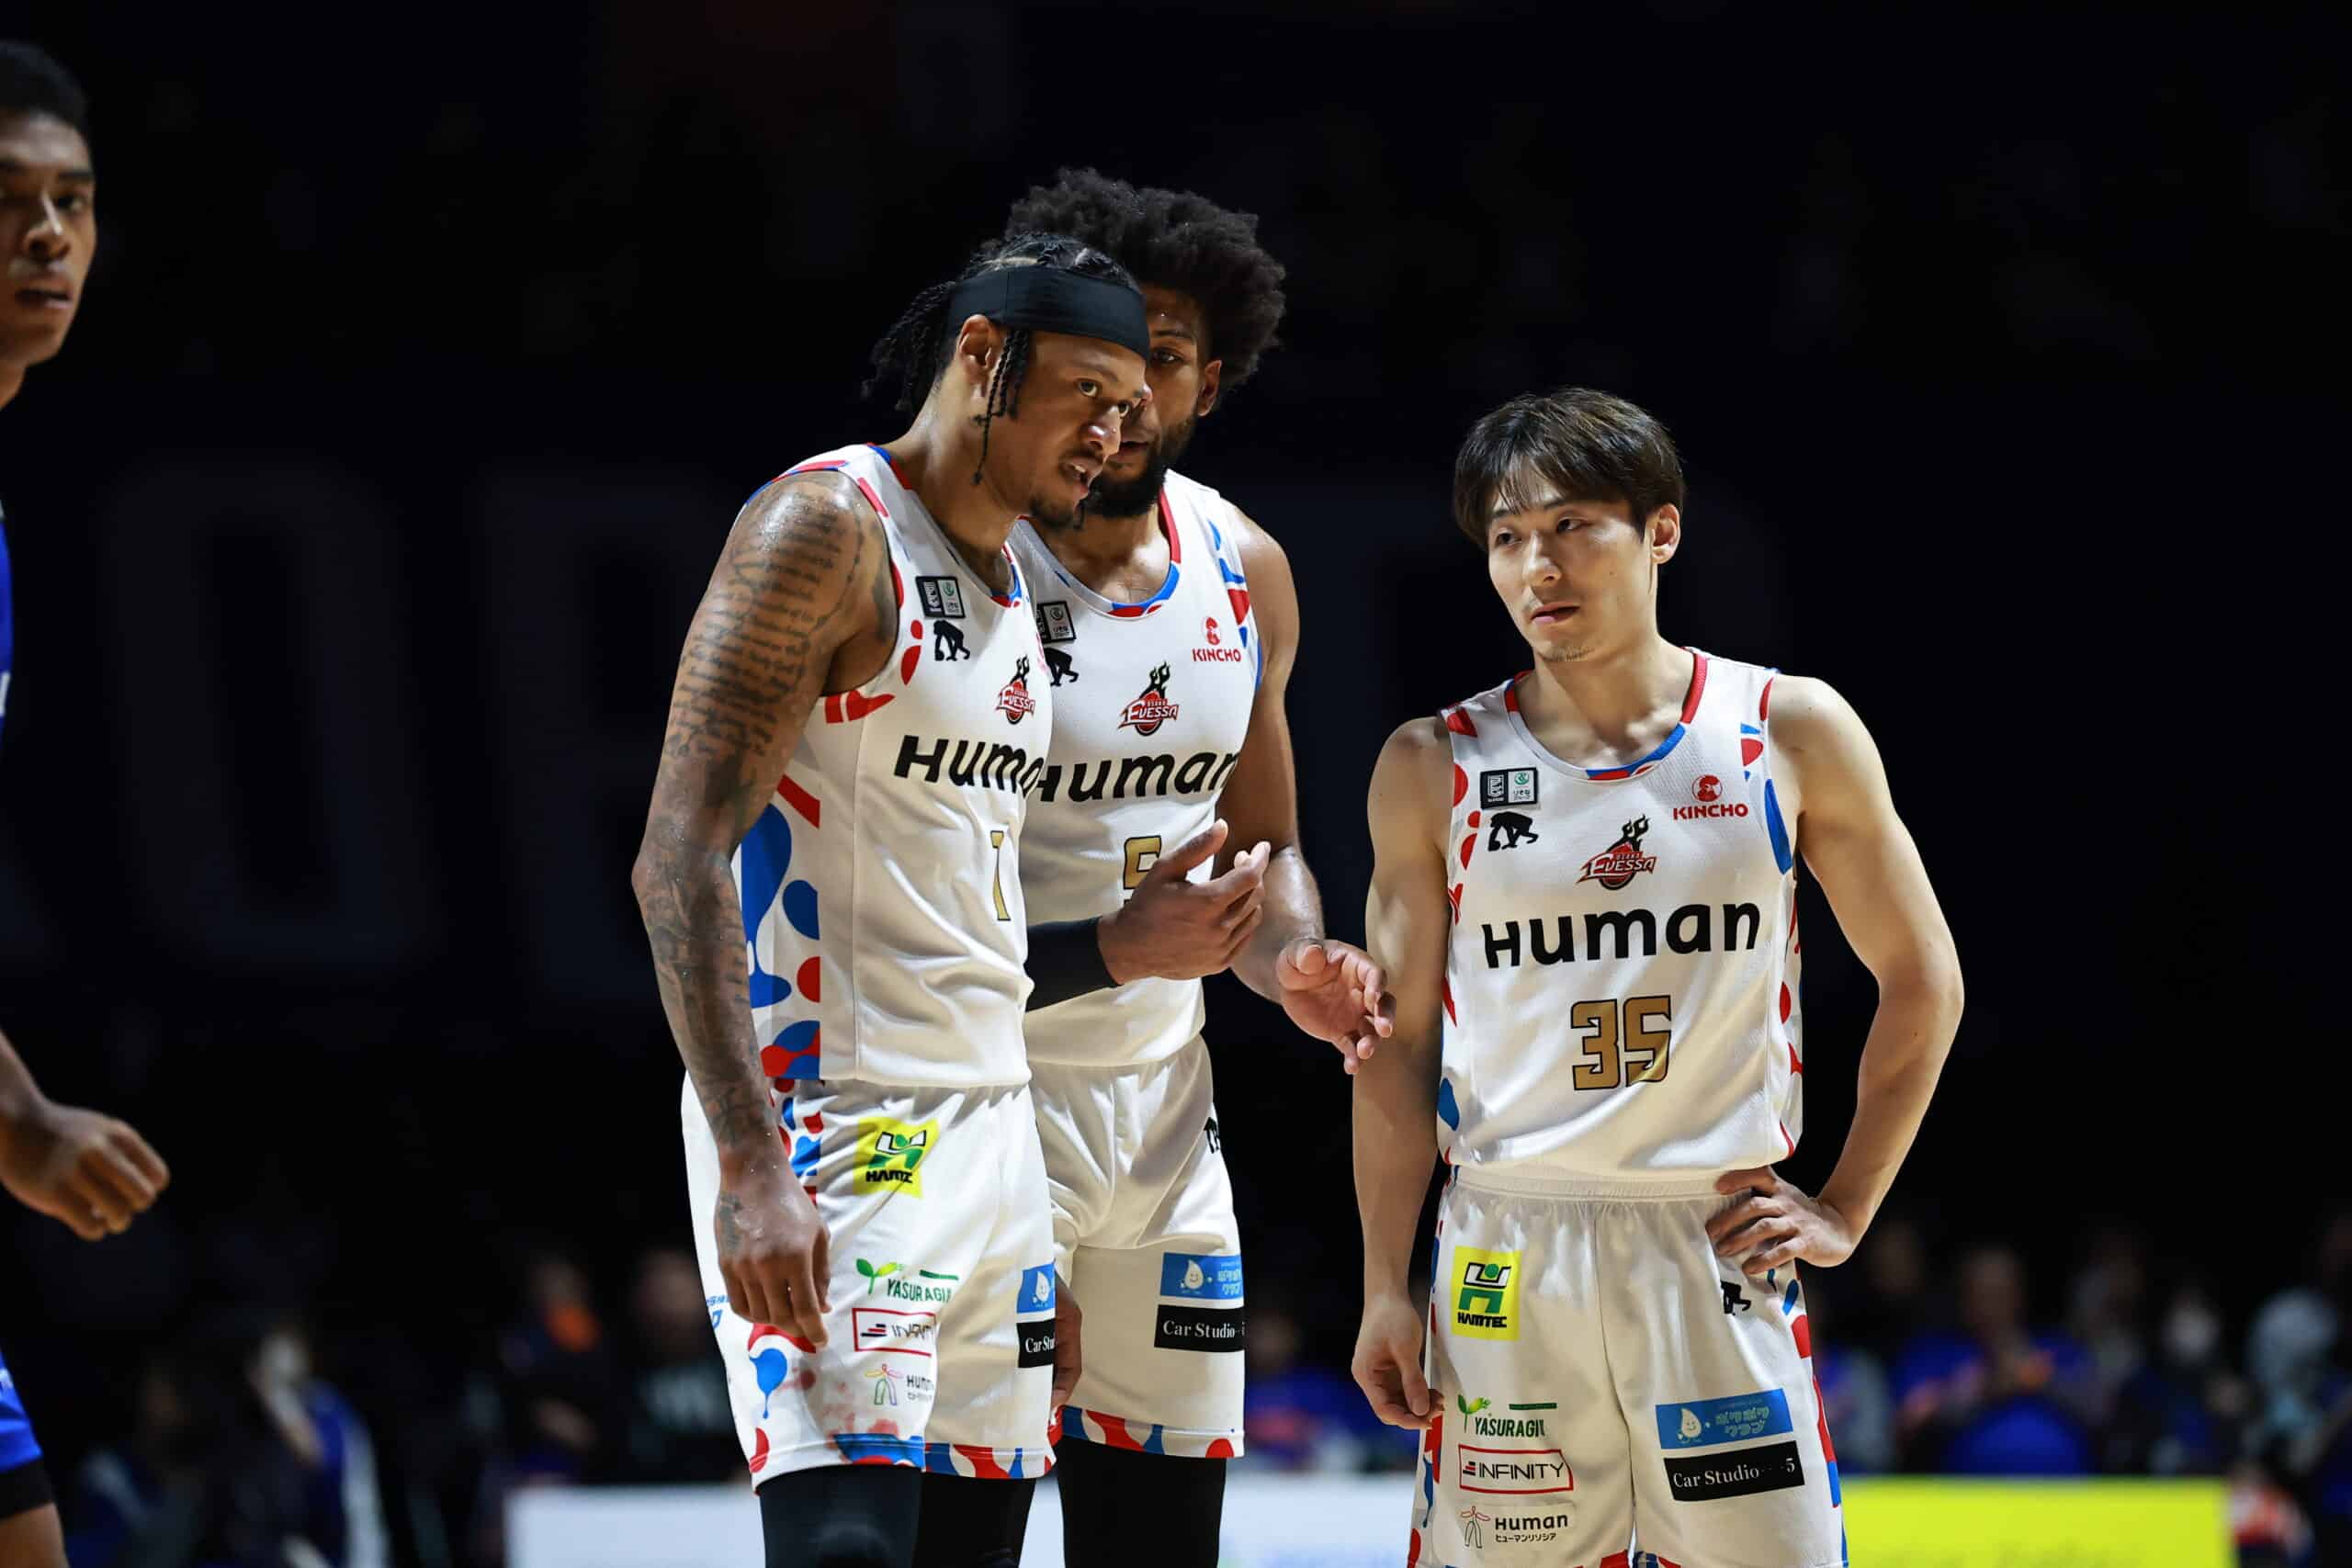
(978,342)
(1211,375)
(1665,534)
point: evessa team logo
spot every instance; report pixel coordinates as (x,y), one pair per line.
(1623,861)
(890,1154)
(1485,1297)
(1149,711)
(1015,702)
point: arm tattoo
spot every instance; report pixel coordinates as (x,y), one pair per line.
(791,588)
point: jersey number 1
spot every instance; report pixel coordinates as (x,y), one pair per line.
(996,842)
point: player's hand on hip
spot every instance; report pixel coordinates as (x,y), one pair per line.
(1067,1320)
(1178,930)
(1776,1223)
(1334,991)
(1388,1364)
(773,1253)
(90,1172)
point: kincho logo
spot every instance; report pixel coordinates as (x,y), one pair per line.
(1485,1297)
(1623,861)
(890,1154)
(1708,792)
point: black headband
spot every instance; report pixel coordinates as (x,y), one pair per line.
(1049,299)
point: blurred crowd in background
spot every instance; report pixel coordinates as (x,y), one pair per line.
(253,1425)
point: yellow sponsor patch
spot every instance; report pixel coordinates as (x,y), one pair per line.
(1486,1294)
(890,1154)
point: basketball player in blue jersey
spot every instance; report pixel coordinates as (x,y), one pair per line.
(1170,623)
(830,877)
(1584,894)
(90,1172)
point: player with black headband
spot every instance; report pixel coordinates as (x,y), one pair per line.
(829,879)
(1170,622)
(89,1171)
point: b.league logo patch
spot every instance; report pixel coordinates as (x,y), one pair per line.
(1507,787)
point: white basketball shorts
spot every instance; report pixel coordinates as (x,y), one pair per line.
(1610,1392)
(941,1328)
(1144,1236)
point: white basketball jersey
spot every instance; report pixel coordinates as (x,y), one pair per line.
(1621,981)
(880,892)
(1152,704)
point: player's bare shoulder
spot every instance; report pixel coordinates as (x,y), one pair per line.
(808,538)
(1272,591)
(1810,717)
(1261,551)
(811,549)
(1826,744)
(1412,785)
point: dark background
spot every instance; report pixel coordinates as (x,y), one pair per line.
(422,369)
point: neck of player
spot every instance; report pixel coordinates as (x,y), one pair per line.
(936,459)
(1615,701)
(12,379)
(1119,557)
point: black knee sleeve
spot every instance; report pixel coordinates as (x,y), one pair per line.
(1125,1507)
(842,1515)
(971,1523)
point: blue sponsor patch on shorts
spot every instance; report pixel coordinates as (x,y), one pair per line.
(1036,1290)
(1736,1418)
(1200,1278)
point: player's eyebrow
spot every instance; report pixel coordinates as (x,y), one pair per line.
(18,167)
(1172,327)
(1503,507)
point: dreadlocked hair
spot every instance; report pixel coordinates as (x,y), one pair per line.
(1172,239)
(916,349)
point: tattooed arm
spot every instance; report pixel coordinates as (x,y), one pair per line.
(795,607)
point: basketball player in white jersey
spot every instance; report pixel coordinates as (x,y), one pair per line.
(1169,622)
(87,1170)
(1585,892)
(829,876)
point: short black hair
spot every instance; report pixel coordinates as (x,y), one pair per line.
(32,81)
(1577,443)
(1172,239)
(915,351)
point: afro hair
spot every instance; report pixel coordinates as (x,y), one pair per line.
(1171,238)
